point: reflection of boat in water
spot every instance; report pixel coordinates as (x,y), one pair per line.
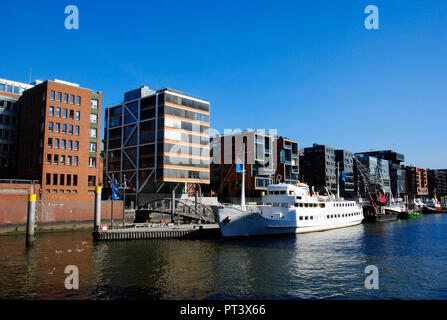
(287,209)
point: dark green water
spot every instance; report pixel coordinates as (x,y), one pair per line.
(411,256)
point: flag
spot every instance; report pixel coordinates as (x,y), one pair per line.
(116,193)
(239,165)
(343,175)
(130,185)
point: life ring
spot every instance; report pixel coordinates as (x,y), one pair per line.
(162,221)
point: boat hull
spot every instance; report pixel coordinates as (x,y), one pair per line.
(237,223)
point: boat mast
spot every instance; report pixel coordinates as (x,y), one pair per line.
(338,180)
(243,177)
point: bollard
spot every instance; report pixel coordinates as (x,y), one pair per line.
(172,206)
(97,225)
(31,220)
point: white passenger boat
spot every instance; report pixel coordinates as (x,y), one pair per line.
(287,209)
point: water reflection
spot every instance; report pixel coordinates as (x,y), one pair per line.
(410,254)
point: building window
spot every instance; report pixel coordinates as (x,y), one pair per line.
(78,100)
(72,99)
(92,162)
(58,112)
(93,118)
(62,160)
(78,115)
(75,182)
(94,104)
(52,95)
(51,113)
(66,97)
(44,95)
(75,192)
(70,129)
(56,143)
(56,159)
(50,126)
(71,114)
(48,179)
(61,180)
(77,130)
(49,158)
(92,132)
(76,143)
(70,145)
(65,113)
(92,147)
(68,160)
(50,142)
(91,181)
(54,179)
(68,179)
(75,160)
(63,144)
(2,87)
(59,96)
(64,128)
(58,126)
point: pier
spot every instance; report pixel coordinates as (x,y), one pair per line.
(158,231)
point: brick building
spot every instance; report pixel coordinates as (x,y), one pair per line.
(437,183)
(417,182)
(10,92)
(59,139)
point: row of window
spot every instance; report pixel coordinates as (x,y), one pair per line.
(64,144)
(57,128)
(343,215)
(59,97)
(8,105)
(65,113)
(11,89)
(48,191)
(6,147)
(61,179)
(349,204)
(54,159)
(7,134)
(8,119)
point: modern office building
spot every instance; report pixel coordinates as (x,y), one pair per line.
(417,182)
(10,92)
(159,140)
(437,183)
(346,168)
(318,168)
(259,157)
(59,139)
(377,169)
(397,174)
(287,168)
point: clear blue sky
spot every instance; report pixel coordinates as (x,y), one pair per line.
(307,68)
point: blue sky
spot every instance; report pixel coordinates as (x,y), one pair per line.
(307,68)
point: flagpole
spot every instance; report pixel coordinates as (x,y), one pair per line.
(113,196)
(243,178)
(338,180)
(124,200)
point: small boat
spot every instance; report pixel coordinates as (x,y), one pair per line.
(410,214)
(433,206)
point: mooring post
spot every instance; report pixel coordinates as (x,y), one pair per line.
(31,219)
(196,205)
(172,205)
(97,225)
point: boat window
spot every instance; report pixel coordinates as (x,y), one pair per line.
(284,204)
(276,192)
(306,218)
(301,217)
(296,204)
(298,198)
(282,192)
(291,192)
(301,205)
(322,205)
(311,217)
(306,205)
(276,204)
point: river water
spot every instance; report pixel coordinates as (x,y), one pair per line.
(411,256)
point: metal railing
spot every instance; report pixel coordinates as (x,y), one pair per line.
(18,181)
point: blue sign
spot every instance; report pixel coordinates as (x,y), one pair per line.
(115,190)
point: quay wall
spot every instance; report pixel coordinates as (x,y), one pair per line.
(52,215)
